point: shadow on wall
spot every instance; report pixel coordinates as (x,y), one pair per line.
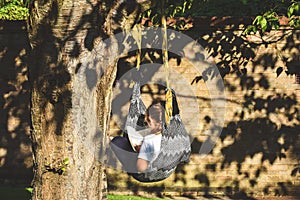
(15,146)
(264,120)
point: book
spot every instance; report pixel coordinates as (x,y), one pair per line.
(136,137)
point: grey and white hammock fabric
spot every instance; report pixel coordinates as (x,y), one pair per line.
(175,144)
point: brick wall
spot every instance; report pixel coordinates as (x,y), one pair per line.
(257,152)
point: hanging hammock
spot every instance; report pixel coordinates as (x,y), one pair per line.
(175,144)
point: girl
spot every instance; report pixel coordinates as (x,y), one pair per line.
(151,144)
(138,161)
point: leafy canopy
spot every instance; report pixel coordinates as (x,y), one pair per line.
(14,9)
(267,13)
(269,19)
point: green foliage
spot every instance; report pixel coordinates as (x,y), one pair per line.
(264,23)
(266,13)
(14,9)
(293,14)
(29,189)
(270,19)
(17,193)
(171,9)
(128,197)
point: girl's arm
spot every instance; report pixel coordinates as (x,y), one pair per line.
(143,157)
(142,164)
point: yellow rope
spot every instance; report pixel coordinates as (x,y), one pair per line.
(165,50)
(137,36)
(168,105)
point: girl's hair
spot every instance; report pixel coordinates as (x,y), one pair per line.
(156,112)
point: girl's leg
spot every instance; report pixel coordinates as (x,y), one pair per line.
(124,152)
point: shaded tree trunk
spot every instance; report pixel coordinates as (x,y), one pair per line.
(72,70)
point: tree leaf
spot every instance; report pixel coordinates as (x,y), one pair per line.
(29,189)
(66,161)
(257,20)
(263,24)
(290,11)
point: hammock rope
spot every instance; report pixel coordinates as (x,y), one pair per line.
(168,106)
(137,36)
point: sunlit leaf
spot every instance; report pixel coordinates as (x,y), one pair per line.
(257,19)
(263,24)
(29,189)
(66,161)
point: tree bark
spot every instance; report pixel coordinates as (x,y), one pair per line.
(72,70)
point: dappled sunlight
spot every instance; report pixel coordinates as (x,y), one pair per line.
(262,127)
(257,152)
(15,146)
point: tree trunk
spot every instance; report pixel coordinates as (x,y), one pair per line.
(72,70)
